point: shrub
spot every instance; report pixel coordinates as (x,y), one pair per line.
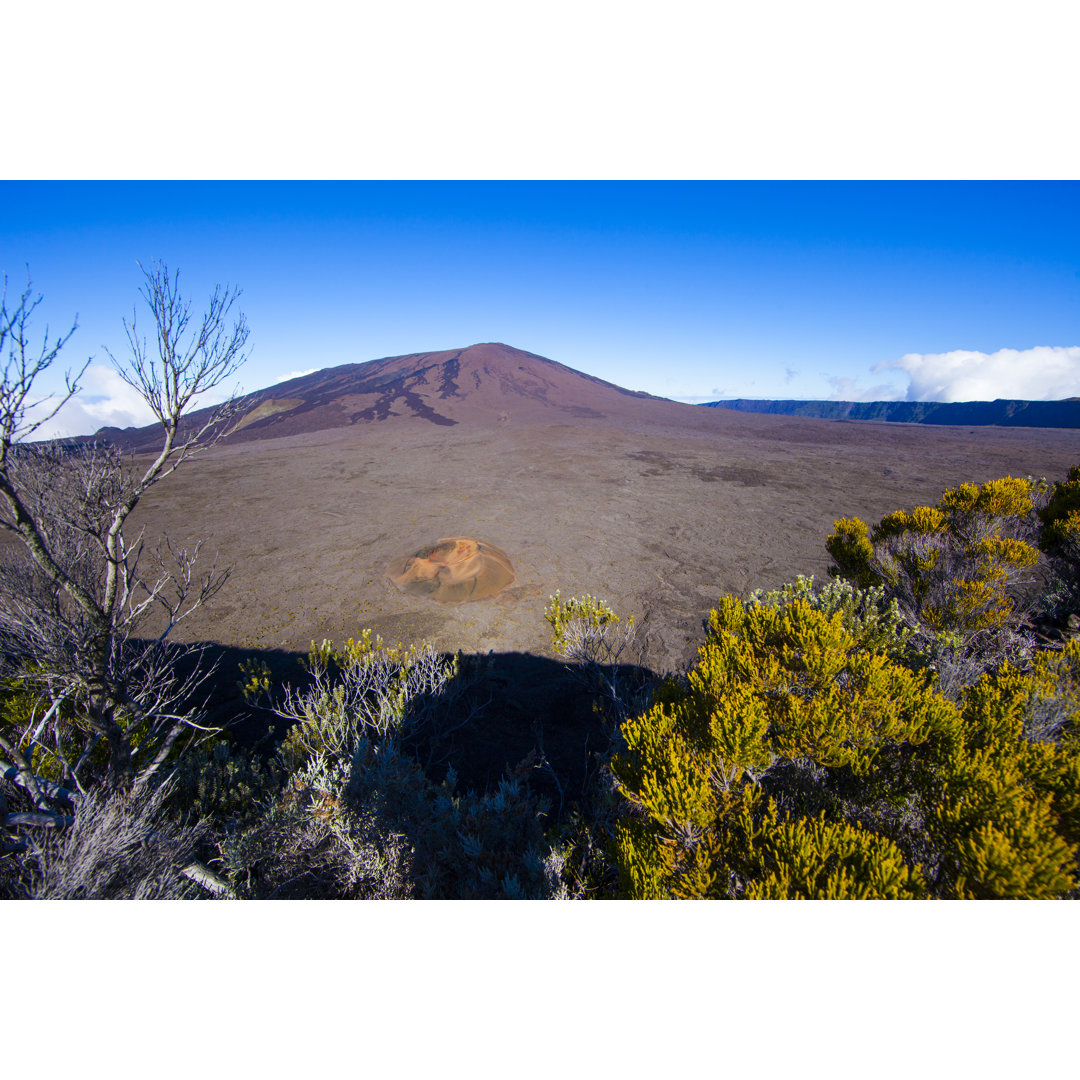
(377,828)
(365,689)
(961,572)
(487,845)
(797,760)
(358,817)
(604,654)
(307,843)
(222,784)
(1060,540)
(811,858)
(1061,514)
(121,846)
(570,618)
(50,739)
(866,613)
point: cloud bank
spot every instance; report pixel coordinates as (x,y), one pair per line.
(1043,373)
(697,399)
(104,401)
(849,390)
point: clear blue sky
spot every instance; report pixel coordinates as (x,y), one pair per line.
(693,290)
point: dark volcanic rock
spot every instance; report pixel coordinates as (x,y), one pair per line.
(444,388)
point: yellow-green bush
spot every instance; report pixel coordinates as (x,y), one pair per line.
(1061,515)
(1060,540)
(796,760)
(867,613)
(587,610)
(63,738)
(853,553)
(961,571)
(814,859)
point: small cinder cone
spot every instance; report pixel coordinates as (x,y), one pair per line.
(455,569)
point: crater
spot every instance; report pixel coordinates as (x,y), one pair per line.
(453,570)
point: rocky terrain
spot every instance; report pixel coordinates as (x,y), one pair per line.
(656,507)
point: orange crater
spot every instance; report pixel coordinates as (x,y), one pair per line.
(455,569)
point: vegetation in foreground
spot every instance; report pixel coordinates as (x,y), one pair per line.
(909,730)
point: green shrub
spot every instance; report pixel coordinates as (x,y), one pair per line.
(1061,515)
(966,575)
(584,611)
(959,567)
(797,760)
(866,613)
(54,750)
(220,783)
(365,689)
(1060,540)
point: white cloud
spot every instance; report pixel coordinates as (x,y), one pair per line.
(1043,373)
(104,401)
(848,390)
(296,375)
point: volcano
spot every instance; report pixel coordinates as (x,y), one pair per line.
(487,383)
(444,496)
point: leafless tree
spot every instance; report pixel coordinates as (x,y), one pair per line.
(77,591)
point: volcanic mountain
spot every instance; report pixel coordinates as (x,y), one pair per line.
(444,496)
(487,382)
(364,496)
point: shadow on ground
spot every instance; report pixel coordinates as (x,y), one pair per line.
(518,715)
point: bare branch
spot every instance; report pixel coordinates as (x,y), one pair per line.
(21,773)
(184,364)
(23,364)
(42,819)
(26,779)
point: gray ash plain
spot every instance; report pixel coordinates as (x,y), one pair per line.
(657,507)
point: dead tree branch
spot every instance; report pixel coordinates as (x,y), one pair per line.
(72,605)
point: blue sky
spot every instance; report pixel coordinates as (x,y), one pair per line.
(693,290)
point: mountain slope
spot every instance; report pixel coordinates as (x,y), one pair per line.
(489,382)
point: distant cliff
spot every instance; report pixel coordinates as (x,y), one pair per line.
(1005,413)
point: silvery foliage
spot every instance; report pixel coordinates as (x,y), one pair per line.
(607,657)
(359,817)
(120,846)
(311,842)
(585,642)
(375,694)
